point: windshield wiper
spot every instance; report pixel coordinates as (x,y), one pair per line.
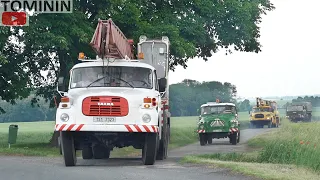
(111,76)
(96,80)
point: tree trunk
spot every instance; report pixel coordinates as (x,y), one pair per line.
(54,139)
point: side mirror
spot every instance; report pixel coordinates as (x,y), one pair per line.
(61,84)
(198,111)
(162,84)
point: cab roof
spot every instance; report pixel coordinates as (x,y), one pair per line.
(217,104)
(114,62)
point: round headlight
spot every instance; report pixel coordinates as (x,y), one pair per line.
(146,118)
(201,126)
(64,117)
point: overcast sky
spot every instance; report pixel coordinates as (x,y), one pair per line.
(290,37)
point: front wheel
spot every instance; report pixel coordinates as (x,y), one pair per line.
(203,139)
(209,138)
(68,149)
(233,138)
(251,125)
(164,144)
(238,140)
(149,150)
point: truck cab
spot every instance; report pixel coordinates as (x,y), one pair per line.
(218,120)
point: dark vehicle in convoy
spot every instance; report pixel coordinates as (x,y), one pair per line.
(299,111)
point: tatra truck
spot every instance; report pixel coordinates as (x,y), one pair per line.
(264,113)
(116,100)
(218,120)
(299,111)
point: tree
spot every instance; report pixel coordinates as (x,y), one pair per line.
(245,105)
(186,97)
(195,28)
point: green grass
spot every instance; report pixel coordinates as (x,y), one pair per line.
(33,138)
(266,171)
(294,146)
(296,143)
(294,149)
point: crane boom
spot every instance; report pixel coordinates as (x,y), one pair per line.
(108,41)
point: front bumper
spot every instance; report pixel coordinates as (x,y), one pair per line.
(107,128)
(231,130)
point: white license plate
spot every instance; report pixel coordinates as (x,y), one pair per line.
(104,119)
(217,130)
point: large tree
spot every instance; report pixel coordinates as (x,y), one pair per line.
(196,28)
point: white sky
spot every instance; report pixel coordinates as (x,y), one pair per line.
(290,37)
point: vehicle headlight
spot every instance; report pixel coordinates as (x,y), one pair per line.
(201,121)
(201,126)
(146,118)
(64,117)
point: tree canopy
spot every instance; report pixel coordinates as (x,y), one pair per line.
(51,42)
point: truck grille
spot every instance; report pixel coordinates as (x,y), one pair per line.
(259,116)
(105,106)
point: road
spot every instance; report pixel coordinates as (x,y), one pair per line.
(44,168)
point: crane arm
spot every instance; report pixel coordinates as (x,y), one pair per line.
(108,41)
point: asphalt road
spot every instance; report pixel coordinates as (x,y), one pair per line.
(32,168)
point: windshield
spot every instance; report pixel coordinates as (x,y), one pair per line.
(218,110)
(112,76)
(262,109)
(294,108)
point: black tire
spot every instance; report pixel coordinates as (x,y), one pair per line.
(209,138)
(106,153)
(203,139)
(163,145)
(238,140)
(233,138)
(87,152)
(270,124)
(169,131)
(251,125)
(149,150)
(59,142)
(98,152)
(68,149)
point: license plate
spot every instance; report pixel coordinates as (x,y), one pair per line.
(104,119)
(217,130)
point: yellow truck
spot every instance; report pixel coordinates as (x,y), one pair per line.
(264,113)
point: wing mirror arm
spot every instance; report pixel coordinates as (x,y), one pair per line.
(61,86)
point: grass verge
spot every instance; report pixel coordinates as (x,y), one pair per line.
(266,171)
(293,149)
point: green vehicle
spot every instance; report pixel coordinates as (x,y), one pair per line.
(218,120)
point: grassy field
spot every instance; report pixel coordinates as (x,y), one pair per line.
(33,137)
(290,152)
